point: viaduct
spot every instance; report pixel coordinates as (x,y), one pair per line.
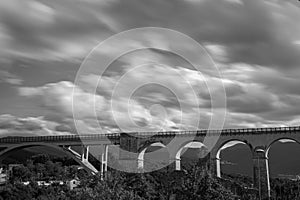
(259,141)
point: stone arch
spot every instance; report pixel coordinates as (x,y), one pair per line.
(225,145)
(10,149)
(143,150)
(267,151)
(188,144)
(287,139)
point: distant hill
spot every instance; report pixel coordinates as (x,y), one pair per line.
(24,154)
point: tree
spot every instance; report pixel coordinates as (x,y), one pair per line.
(20,173)
(197,183)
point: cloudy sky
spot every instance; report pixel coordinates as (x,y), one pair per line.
(255,44)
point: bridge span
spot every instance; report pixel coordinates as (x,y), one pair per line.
(259,141)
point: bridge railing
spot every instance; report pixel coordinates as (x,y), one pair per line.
(116,136)
(270,130)
(55,138)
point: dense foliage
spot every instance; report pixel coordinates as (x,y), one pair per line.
(193,183)
(159,185)
(285,189)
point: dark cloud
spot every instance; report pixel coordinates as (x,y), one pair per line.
(250,105)
(282,115)
(64,128)
(249,30)
(7,77)
(251,33)
(46,27)
(277,82)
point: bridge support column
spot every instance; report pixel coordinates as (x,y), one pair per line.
(215,167)
(140,163)
(214,163)
(174,164)
(128,153)
(82,158)
(104,160)
(85,153)
(177,164)
(218,163)
(261,177)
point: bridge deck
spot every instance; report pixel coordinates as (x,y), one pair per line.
(115,137)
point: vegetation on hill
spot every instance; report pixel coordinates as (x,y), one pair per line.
(193,183)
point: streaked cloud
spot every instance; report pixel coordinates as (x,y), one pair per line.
(7,77)
(254,43)
(15,126)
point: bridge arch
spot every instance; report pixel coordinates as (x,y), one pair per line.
(225,145)
(280,161)
(16,147)
(284,140)
(142,152)
(189,144)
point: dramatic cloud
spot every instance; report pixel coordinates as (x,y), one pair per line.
(153,97)
(160,97)
(252,31)
(254,43)
(14,126)
(6,76)
(58,96)
(10,78)
(51,30)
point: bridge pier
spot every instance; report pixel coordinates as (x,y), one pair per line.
(128,151)
(215,162)
(104,160)
(130,161)
(215,167)
(140,163)
(177,164)
(85,153)
(261,175)
(174,164)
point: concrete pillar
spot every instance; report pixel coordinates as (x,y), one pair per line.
(174,164)
(215,164)
(128,152)
(104,160)
(141,163)
(82,158)
(177,164)
(85,153)
(128,143)
(261,177)
(215,167)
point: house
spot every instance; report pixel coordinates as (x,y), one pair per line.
(3,176)
(73,183)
